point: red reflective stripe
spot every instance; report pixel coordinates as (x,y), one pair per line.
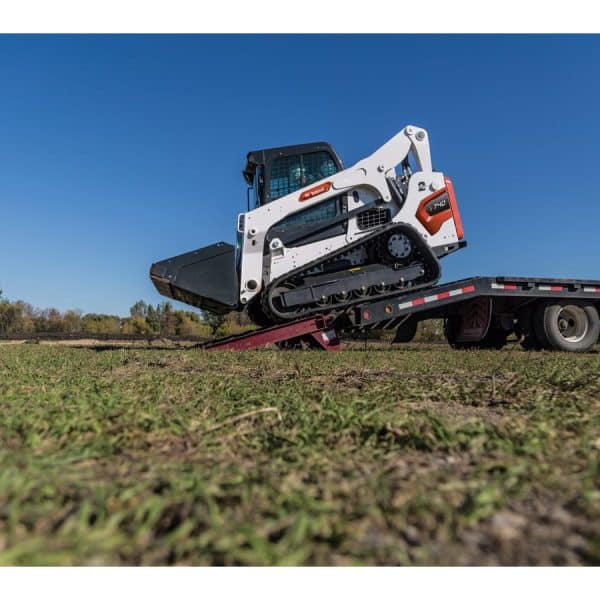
(510,286)
(556,288)
(418,301)
(443,295)
(469,288)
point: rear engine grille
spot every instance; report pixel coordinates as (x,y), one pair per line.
(374,217)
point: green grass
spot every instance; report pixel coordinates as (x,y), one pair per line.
(413,456)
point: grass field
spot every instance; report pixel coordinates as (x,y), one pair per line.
(412,456)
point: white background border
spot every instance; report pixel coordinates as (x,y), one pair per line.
(302,583)
(299,16)
(304,16)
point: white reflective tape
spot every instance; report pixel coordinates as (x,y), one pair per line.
(427,299)
(497,286)
(544,288)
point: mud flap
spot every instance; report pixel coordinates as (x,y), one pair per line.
(406,331)
(475,322)
(206,278)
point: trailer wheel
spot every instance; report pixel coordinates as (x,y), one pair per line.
(525,328)
(494,339)
(567,325)
(539,330)
(451,329)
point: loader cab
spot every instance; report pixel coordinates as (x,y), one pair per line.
(276,172)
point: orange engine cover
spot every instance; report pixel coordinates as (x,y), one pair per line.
(437,208)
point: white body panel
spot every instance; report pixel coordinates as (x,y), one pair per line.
(368,178)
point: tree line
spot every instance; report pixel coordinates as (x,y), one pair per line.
(19,317)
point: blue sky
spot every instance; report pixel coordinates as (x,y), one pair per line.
(116,151)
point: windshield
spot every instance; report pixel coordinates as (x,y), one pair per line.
(290,173)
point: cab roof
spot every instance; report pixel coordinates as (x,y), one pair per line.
(260,158)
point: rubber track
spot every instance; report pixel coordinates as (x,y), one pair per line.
(430,263)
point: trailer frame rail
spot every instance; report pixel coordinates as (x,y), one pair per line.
(391,311)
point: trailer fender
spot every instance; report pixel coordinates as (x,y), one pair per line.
(476,316)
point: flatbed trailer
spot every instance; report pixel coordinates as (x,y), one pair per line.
(545,313)
(479,312)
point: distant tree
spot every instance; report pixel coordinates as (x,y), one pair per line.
(139,309)
(153,319)
(189,323)
(72,321)
(28,316)
(431,330)
(136,324)
(237,322)
(93,323)
(215,321)
(168,320)
(21,317)
(54,321)
(10,318)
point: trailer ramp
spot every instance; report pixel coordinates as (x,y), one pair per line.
(317,332)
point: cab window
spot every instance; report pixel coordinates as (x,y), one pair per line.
(290,173)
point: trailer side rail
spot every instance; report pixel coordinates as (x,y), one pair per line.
(391,311)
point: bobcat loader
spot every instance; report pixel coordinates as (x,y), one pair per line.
(323,238)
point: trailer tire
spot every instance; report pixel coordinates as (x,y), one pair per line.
(451,329)
(567,325)
(494,339)
(539,330)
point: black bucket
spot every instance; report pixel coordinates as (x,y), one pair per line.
(206,278)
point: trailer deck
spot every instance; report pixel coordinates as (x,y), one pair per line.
(479,307)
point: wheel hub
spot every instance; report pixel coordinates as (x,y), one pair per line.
(572,323)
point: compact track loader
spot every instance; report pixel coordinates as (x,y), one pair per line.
(322,238)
